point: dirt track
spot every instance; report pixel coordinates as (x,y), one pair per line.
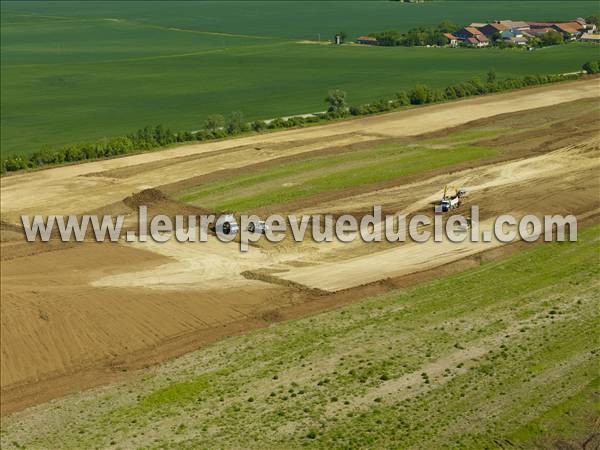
(74,315)
(560,169)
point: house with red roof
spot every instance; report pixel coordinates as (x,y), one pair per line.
(492,28)
(467,32)
(479,40)
(472,37)
(452,40)
(571,30)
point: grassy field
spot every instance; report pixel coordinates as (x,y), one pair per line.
(502,354)
(74,71)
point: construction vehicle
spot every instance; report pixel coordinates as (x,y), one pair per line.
(258,227)
(226,225)
(450,201)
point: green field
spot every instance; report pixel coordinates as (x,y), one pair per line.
(502,353)
(74,71)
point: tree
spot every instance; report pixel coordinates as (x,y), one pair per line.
(336,99)
(438,39)
(447,27)
(476,86)
(214,122)
(236,123)
(552,37)
(387,38)
(591,67)
(419,95)
(535,42)
(342,35)
(593,19)
(496,37)
(491,76)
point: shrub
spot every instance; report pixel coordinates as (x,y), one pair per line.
(236,124)
(294,122)
(402,99)
(437,96)
(258,125)
(214,122)
(355,111)
(591,67)
(419,95)
(277,123)
(381,105)
(336,100)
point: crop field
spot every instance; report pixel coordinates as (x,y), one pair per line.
(76,71)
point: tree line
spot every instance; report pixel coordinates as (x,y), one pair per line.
(418,36)
(217,126)
(422,94)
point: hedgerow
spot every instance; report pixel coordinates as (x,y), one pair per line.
(152,138)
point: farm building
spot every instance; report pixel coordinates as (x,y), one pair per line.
(571,30)
(591,37)
(452,40)
(516,36)
(540,31)
(519,40)
(588,27)
(540,25)
(492,28)
(366,40)
(468,32)
(478,40)
(514,24)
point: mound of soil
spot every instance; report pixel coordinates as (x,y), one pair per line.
(145,197)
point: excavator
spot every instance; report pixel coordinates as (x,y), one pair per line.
(450,201)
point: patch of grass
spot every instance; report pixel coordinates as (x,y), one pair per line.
(468,136)
(178,393)
(568,420)
(314,175)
